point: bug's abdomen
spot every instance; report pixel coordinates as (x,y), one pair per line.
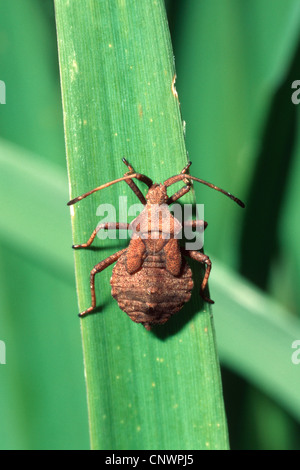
(151,295)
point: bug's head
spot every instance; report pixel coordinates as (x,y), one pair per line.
(157,194)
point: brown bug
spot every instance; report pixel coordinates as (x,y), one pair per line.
(151,279)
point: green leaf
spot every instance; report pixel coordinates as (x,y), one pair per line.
(255,337)
(39,193)
(41,406)
(30,70)
(146,390)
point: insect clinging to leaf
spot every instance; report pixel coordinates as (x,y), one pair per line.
(151,279)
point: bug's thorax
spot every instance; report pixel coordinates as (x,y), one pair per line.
(155,222)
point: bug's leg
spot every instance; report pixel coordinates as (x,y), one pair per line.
(178,194)
(97,269)
(185,169)
(139,177)
(202,258)
(106,226)
(194,224)
(132,184)
(183,190)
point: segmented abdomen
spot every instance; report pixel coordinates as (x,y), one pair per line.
(151,295)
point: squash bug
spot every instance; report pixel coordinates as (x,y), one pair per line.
(151,279)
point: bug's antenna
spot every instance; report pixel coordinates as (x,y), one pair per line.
(176,178)
(139,176)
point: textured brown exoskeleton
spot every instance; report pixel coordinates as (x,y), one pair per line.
(151,279)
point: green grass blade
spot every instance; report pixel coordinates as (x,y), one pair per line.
(255,337)
(38,190)
(146,390)
(30,53)
(41,406)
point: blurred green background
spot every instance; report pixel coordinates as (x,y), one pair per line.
(235,62)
